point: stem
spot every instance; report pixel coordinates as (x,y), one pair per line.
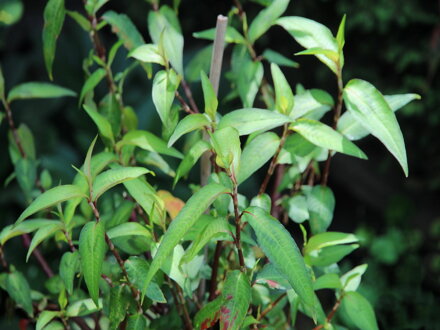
(37,254)
(13,128)
(180,304)
(188,93)
(237,223)
(215,264)
(331,314)
(3,259)
(217,52)
(185,105)
(271,306)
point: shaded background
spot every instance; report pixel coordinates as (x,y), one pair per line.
(393,44)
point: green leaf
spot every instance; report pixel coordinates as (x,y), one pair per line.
(42,234)
(2,89)
(136,322)
(80,20)
(249,80)
(231,36)
(69,266)
(38,90)
(251,120)
(148,141)
(351,279)
(83,307)
(164,88)
(51,197)
(104,127)
(148,53)
(237,295)
(354,130)
(54,14)
(26,227)
(209,95)
(266,18)
(359,310)
(188,124)
(26,173)
(113,177)
(124,28)
(92,251)
(45,317)
(273,278)
(327,281)
(190,159)
(18,289)
(118,305)
(129,229)
(329,255)
(329,238)
(11,11)
(192,210)
(321,204)
(334,56)
(226,143)
(340,36)
(282,251)
(201,61)
(92,81)
(256,153)
(326,137)
(283,93)
(311,34)
(312,104)
(369,108)
(277,58)
(92,6)
(209,314)
(298,209)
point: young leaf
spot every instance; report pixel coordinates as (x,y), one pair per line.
(18,289)
(351,279)
(282,251)
(124,28)
(266,18)
(237,295)
(359,310)
(54,14)
(92,252)
(283,92)
(321,204)
(192,210)
(69,266)
(211,102)
(113,177)
(51,197)
(104,127)
(188,124)
(38,90)
(190,159)
(42,234)
(370,109)
(226,143)
(92,81)
(277,58)
(256,153)
(251,120)
(311,34)
(329,238)
(232,36)
(148,53)
(326,137)
(164,87)
(209,314)
(340,36)
(80,20)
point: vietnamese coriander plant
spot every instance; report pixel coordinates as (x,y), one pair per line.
(136,256)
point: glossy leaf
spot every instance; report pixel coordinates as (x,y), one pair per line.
(104,127)
(18,289)
(193,209)
(329,238)
(164,87)
(340,36)
(45,317)
(80,19)
(266,18)
(327,281)
(25,227)
(92,251)
(368,106)
(129,229)
(226,143)
(231,36)
(148,53)
(42,234)
(188,124)
(69,266)
(298,209)
(249,80)
(359,310)
(312,104)
(351,279)
(282,251)
(124,28)
(209,95)
(277,58)
(326,137)
(38,90)
(321,204)
(329,255)
(51,197)
(92,81)
(283,93)
(54,14)
(251,120)
(190,159)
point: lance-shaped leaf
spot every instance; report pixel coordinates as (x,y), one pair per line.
(92,81)
(42,234)
(69,266)
(54,14)
(329,238)
(370,109)
(282,251)
(188,124)
(209,314)
(354,130)
(211,102)
(311,34)
(104,126)
(237,295)
(312,104)
(18,289)
(38,90)
(350,280)
(329,255)
(26,227)
(325,137)
(124,28)
(283,92)
(92,252)
(118,305)
(226,143)
(148,141)
(164,87)
(321,204)
(327,281)
(232,36)
(191,158)
(277,58)
(192,210)
(113,177)
(51,197)
(256,153)
(250,120)
(45,317)
(266,18)
(83,22)
(148,53)
(129,229)
(359,310)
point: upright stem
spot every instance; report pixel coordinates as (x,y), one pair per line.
(13,128)
(331,314)
(237,223)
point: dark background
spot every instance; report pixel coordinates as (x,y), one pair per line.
(393,44)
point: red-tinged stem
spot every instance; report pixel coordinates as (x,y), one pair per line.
(37,254)
(271,306)
(331,314)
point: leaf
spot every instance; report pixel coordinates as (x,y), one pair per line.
(118,305)
(282,251)
(249,80)
(266,18)
(201,61)
(277,58)
(129,229)
(69,266)
(359,310)
(283,93)
(193,209)
(54,14)
(164,87)
(45,317)
(329,238)
(2,89)
(311,34)
(51,197)
(231,35)
(38,90)
(226,143)
(42,234)
(209,95)
(312,104)
(354,130)
(11,11)
(256,153)
(369,107)
(351,279)
(92,81)
(148,53)
(190,159)
(113,177)
(26,227)
(273,278)
(209,314)
(173,205)
(340,36)
(325,137)
(321,204)
(329,255)
(148,141)
(136,322)
(188,124)
(250,120)
(297,209)
(237,295)
(18,289)
(80,19)
(104,127)
(124,28)
(327,281)
(92,251)
(26,173)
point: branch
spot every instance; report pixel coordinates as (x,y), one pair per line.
(13,128)
(237,222)
(331,314)
(271,306)
(37,254)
